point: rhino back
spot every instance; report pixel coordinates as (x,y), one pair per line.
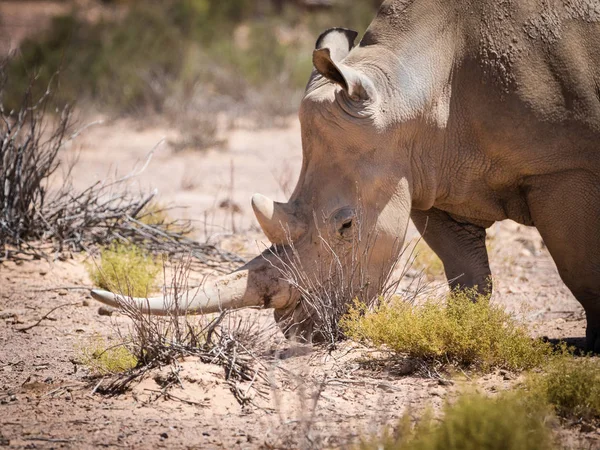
(525,93)
(529,85)
(545,51)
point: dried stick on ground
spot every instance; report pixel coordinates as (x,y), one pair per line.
(223,340)
(29,148)
(36,221)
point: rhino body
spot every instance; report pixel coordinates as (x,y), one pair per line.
(456,114)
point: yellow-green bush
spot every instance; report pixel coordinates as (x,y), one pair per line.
(510,421)
(154,213)
(103,358)
(476,334)
(571,385)
(126,269)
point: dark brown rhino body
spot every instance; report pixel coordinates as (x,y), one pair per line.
(457,114)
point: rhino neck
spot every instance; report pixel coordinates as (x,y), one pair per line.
(411,50)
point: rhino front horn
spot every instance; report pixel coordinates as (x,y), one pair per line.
(257,284)
(279,225)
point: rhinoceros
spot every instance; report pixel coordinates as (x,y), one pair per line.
(456,114)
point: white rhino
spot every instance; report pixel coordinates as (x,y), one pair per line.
(456,114)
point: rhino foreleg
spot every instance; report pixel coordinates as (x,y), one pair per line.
(460,246)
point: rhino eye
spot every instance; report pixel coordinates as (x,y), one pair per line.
(344,230)
(343,220)
(346,225)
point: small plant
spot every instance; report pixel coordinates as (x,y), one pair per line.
(226,340)
(199,133)
(427,261)
(572,386)
(475,334)
(154,213)
(509,421)
(127,269)
(102,358)
(29,155)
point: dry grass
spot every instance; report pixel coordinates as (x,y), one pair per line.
(198,132)
(474,334)
(103,358)
(29,147)
(37,221)
(225,340)
(509,421)
(327,289)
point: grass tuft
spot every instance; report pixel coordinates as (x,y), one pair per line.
(572,386)
(104,359)
(474,334)
(127,269)
(509,421)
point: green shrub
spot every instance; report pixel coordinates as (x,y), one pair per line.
(476,334)
(102,358)
(509,421)
(162,48)
(113,64)
(125,269)
(571,385)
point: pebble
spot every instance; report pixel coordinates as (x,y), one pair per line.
(104,311)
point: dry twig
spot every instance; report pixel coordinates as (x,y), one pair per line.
(37,221)
(46,316)
(161,341)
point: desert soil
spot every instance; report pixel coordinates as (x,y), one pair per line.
(314,399)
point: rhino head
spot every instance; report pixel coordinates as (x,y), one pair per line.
(346,220)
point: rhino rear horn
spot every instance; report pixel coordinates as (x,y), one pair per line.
(278,224)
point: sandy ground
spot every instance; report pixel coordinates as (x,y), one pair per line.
(314,399)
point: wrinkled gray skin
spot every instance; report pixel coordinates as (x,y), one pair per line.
(456,114)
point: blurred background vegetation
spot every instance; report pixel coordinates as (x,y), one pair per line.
(175,57)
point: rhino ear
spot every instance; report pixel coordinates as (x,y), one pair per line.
(339,41)
(356,84)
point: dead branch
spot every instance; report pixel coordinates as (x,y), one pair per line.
(38,222)
(224,340)
(45,316)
